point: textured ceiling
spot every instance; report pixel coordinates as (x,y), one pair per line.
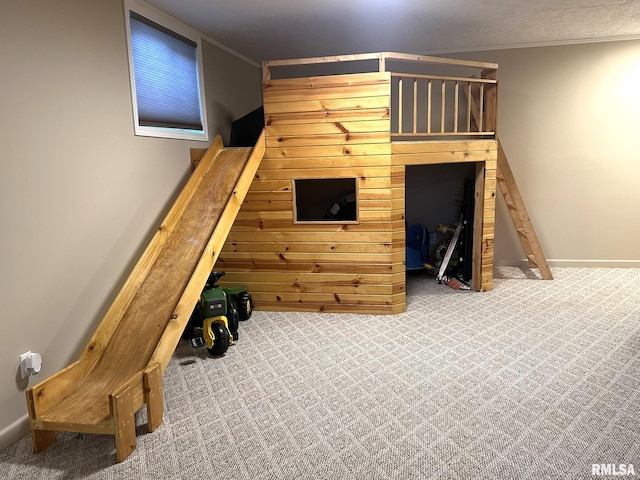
(274,29)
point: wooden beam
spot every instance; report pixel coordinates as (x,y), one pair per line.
(195,155)
(152,380)
(520,216)
(328,59)
(448,78)
(476,276)
(40,439)
(121,403)
(491,100)
(378,56)
(407,57)
(266,72)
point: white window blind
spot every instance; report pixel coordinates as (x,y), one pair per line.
(165,75)
(165,72)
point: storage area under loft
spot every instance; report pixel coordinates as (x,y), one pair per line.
(438,197)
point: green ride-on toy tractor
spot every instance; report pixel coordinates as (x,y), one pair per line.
(214,321)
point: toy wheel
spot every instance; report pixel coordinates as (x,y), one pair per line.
(232,317)
(220,340)
(245,305)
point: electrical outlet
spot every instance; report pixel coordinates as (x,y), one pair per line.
(30,364)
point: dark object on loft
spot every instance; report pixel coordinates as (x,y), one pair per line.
(246,130)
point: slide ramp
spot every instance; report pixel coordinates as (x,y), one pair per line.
(121,368)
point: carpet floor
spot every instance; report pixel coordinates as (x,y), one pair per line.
(534,380)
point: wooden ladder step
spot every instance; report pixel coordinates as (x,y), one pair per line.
(520,216)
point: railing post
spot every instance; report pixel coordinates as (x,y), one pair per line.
(481,123)
(490,115)
(429,106)
(415,105)
(469,103)
(266,72)
(455,107)
(400,100)
(452,116)
(443,111)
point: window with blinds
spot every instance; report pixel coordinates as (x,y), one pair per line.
(166,78)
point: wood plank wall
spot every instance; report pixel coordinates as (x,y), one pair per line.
(322,127)
(484,153)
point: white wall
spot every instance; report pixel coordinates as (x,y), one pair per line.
(569,120)
(80,195)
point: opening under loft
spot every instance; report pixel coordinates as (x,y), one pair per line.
(436,198)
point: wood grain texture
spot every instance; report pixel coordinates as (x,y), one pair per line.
(236,213)
(484,153)
(143,323)
(336,126)
(382,57)
(520,216)
(153,395)
(120,370)
(124,424)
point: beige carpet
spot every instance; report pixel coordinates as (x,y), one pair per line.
(535,380)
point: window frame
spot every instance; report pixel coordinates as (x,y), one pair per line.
(174,25)
(325,221)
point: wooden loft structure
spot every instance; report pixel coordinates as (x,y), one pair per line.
(240,208)
(366,118)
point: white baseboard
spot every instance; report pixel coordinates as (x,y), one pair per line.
(14,432)
(559,262)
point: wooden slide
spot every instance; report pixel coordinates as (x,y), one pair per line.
(120,370)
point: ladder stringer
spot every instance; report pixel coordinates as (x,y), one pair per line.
(520,216)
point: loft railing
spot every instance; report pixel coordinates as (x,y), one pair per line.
(427,104)
(435,105)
